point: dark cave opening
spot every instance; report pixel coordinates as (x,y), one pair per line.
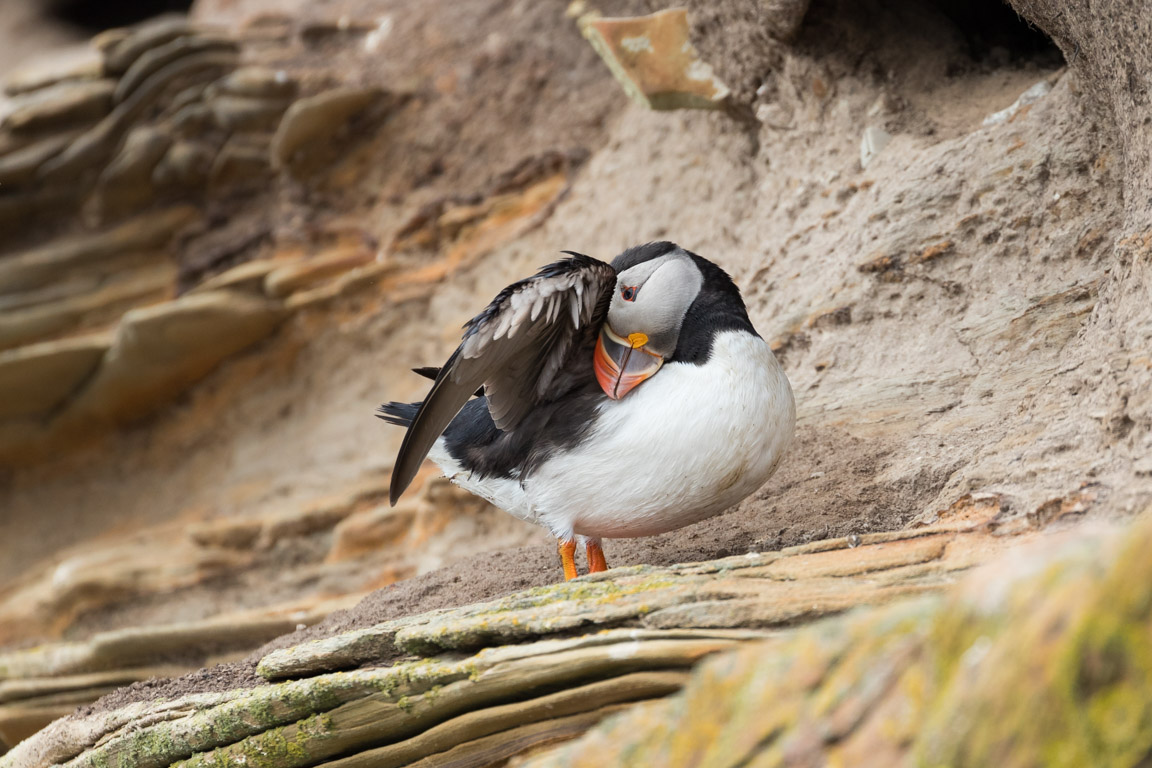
(92,16)
(992,29)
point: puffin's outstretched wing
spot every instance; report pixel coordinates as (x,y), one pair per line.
(520,349)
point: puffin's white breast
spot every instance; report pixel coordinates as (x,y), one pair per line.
(684,445)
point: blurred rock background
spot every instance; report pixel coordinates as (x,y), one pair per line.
(228,231)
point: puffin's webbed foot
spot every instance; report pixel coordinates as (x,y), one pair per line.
(568,559)
(596,561)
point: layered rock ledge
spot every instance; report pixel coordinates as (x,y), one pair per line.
(946,665)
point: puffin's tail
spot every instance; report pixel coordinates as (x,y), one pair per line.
(400,414)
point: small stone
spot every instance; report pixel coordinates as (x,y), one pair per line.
(872,143)
(61,106)
(1033,94)
(315,119)
(35,379)
(292,278)
(160,351)
(653,59)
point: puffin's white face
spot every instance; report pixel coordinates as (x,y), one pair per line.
(644,320)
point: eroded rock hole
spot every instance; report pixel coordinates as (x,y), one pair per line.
(996,35)
(93,16)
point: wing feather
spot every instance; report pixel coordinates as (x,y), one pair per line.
(516,350)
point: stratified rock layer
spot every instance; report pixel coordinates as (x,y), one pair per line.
(1026,657)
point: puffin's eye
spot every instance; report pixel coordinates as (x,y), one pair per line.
(628,293)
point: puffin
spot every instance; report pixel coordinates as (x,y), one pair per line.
(605,401)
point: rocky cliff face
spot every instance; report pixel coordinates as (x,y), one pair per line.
(226,238)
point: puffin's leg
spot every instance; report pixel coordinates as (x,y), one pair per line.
(568,558)
(596,561)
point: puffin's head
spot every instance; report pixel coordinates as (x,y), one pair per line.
(655,285)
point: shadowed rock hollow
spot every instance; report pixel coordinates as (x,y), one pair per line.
(227,237)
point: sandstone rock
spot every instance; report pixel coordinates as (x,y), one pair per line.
(107,302)
(122,53)
(27,705)
(653,59)
(241,164)
(155,59)
(126,184)
(96,145)
(247,277)
(420,709)
(16,211)
(472,705)
(81,62)
(352,280)
(60,289)
(39,267)
(257,83)
(61,106)
(34,380)
(244,113)
(369,531)
(983,677)
(324,266)
(130,648)
(19,167)
(186,164)
(316,119)
(161,350)
(741,592)
(192,120)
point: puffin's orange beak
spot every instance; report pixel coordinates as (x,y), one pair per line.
(621,364)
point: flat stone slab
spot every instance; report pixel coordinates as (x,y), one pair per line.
(36,379)
(79,62)
(324,266)
(59,106)
(103,304)
(159,351)
(41,266)
(653,59)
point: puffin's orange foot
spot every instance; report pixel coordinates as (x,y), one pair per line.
(596,561)
(568,559)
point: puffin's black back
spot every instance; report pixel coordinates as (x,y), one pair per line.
(718,307)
